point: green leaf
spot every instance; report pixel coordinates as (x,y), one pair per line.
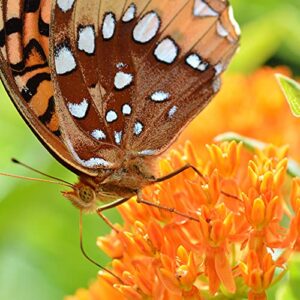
(291,90)
(249,143)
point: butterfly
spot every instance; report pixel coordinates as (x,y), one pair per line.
(107,86)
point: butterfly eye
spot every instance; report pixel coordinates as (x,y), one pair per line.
(86,194)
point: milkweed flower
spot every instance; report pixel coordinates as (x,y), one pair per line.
(227,245)
(238,246)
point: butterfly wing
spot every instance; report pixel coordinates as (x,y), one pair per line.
(181,69)
(129,76)
(25,72)
(120,78)
(75,76)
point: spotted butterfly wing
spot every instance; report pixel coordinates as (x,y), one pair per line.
(148,77)
(108,85)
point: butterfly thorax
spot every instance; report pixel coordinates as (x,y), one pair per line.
(111,185)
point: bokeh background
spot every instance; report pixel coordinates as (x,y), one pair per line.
(39,240)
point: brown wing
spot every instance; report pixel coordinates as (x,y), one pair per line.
(180,69)
(77,96)
(24,39)
(129,76)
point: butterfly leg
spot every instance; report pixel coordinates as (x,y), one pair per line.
(106,220)
(108,206)
(186,167)
(175,173)
(165,208)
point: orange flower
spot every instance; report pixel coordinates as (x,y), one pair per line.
(236,210)
(98,290)
(258,273)
(239,206)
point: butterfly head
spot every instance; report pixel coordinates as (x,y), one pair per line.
(87,198)
(82,196)
(121,183)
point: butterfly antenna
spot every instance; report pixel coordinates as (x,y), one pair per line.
(15,161)
(90,259)
(37,179)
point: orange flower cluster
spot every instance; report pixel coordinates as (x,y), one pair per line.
(230,248)
(239,244)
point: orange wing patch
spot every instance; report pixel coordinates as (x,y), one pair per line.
(26,28)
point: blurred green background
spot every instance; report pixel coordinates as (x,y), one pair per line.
(39,241)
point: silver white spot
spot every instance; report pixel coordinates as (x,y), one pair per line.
(160,96)
(219,69)
(146,28)
(196,62)
(147,152)
(166,51)
(172,111)
(78,110)
(108,26)
(222,32)
(203,66)
(118,137)
(95,162)
(233,21)
(90,163)
(86,39)
(129,14)
(65,5)
(122,80)
(98,134)
(111,116)
(202,9)
(138,128)
(64,60)
(216,85)
(193,60)
(126,109)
